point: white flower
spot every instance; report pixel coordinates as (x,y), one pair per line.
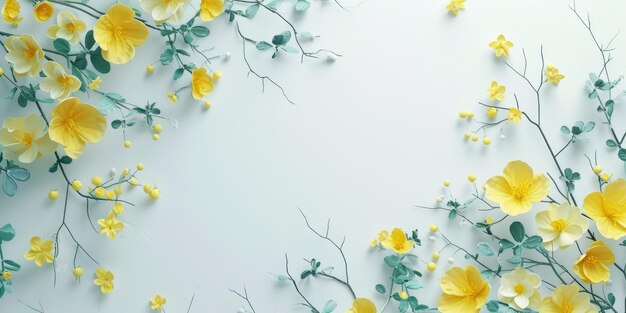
(25,54)
(520,289)
(68,27)
(59,84)
(171,11)
(560,226)
(25,138)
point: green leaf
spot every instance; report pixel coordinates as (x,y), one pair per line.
(302,5)
(589,126)
(61,45)
(305,274)
(273,5)
(99,63)
(506,244)
(200,31)
(76,72)
(485,249)
(622,154)
(18,173)
(381,289)
(11,265)
(7,232)
(89,40)
(532,242)
(565,130)
(330,306)
(611,143)
(611,298)
(263,45)
(252,10)
(452,215)
(81,61)
(282,38)
(115,124)
(9,186)
(493,306)
(65,159)
(517,231)
(178,73)
(516,259)
(392,260)
(167,56)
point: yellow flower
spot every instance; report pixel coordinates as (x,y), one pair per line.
(40,251)
(471,178)
(567,299)
(489,220)
(398,242)
(362,305)
(501,46)
(201,83)
(455,5)
(95,84)
(431,266)
(403,295)
(171,11)
(486,140)
(104,279)
(464,290)
(11,12)
(74,123)
(59,84)
(25,138)
(605,177)
(382,236)
(53,194)
(25,54)
(608,209)
(552,75)
(518,189)
(172,97)
(593,266)
(496,92)
(520,289)
(68,27)
(157,303)
(110,225)
(597,169)
(118,33)
(210,9)
(492,112)
(43,11)
(78,272)
(7,275)
(77,185)
(150,68)
(514,115)
(560,226)
(118,208)
(99,192)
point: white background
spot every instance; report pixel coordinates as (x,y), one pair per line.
(369,137)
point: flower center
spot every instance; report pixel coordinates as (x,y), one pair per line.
(27,139)
(70,27)
(30,52)
(590,259)
(558,225)
(520,192)
(519,288)
(64,81)
(613,210)
(566,307)
(118,32)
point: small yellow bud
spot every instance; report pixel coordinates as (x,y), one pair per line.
(474,137)
(486,141)
(1,71)
(431,266)
(7,275)
(155,194)
(77,185)
(492,112)
(157,128)
(78,272)
(489,220)
(117,190)
(53,194)
(155,137)
(125,171)
(605,177)
(467,135)
(436,256)
(133,181)
(463,114)
(471,178)
(127,144)
(140,166)
(217,75)
(171,96)
(147,188)
(110,195)
(469,114)
(207,105)
(446,183)
(150,68)
(118,208)
(433,228)
(96,180)
(597,170)
(99,192)
(403,295)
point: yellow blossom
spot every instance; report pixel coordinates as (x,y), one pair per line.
(518,189)
(455,6)
(127,144)
(25,54)
(77,185)
(96,180)
(382,236)
(100,192)
(210,9)
(171,11)
(501,46)
(593,266)
(560,226)
(95,84)
(496,91)
(171,96)
(520,289)
(489,220)
(201,83)
(398,242)
(78,272)
(566,299)
(133,181)
(474,138)
(110,225)
(362,305)
(11,12)
(140,166)
(597,169)
(155,193)
(403,294)
(43,11)
(514,115)
(25,138)
(157,128)
(486,140)
(118,208)
(40,251)
(155,137)
(552,75)
(431,266)
(433,228)
(59,84)
(104,279)
(157,303)
(216,75)
(471,178)
(53,194)
(492,112)
(110,195)
(150,68)
(117,190)
(464,290)
(605,177)
(68,27)
(74,123)
(7,275)
(125,172)
(608,209)
(207,104)
(436,255)
(118,33)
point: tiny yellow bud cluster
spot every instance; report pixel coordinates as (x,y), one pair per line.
(492,112)
(471,178)
(152,191)
(156,130)
(77,185)
(53,194)
(466,114)
(433,228)
(78,272)
(150,68)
